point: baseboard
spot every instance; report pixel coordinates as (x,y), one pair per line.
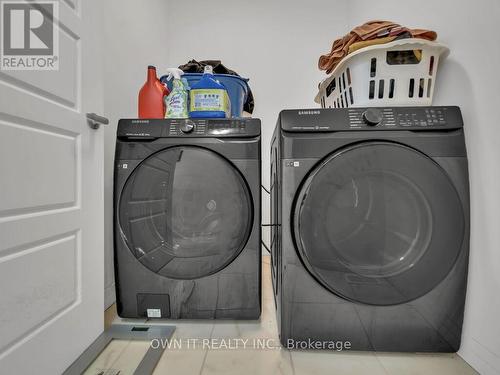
(479,357)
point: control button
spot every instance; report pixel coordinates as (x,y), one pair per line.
(372,117)
(187,126)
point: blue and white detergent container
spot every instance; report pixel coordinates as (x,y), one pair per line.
(236,86)
(209,98)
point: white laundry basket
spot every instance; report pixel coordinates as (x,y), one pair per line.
(384,75)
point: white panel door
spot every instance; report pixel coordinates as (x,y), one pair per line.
(51,203)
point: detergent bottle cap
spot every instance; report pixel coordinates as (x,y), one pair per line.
(176,73)
(208,69)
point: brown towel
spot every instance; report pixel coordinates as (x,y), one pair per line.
(368,31)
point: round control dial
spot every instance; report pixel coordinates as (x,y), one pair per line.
(187,126)
(372,116)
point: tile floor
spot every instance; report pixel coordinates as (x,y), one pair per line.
(124,356)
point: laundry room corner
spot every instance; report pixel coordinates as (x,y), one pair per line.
(261,187)
(412,324)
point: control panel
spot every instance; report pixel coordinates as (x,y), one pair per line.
(380,118)
(157,128)
(393,117)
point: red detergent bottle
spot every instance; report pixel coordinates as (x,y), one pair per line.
(151,104)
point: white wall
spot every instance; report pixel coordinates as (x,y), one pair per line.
(470,78)
(276,44)
(134,37)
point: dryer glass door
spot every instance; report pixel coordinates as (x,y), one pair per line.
(378,223)
(185,212)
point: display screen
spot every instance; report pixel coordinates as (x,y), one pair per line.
(226,127)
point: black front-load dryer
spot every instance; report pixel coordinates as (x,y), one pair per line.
(370,239)
(187,219)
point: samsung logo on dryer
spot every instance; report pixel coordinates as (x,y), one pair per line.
(140,121)
(309,112)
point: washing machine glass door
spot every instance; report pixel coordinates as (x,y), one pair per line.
(378,223)
(185,212)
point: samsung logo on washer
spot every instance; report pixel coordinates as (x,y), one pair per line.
(310,112)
